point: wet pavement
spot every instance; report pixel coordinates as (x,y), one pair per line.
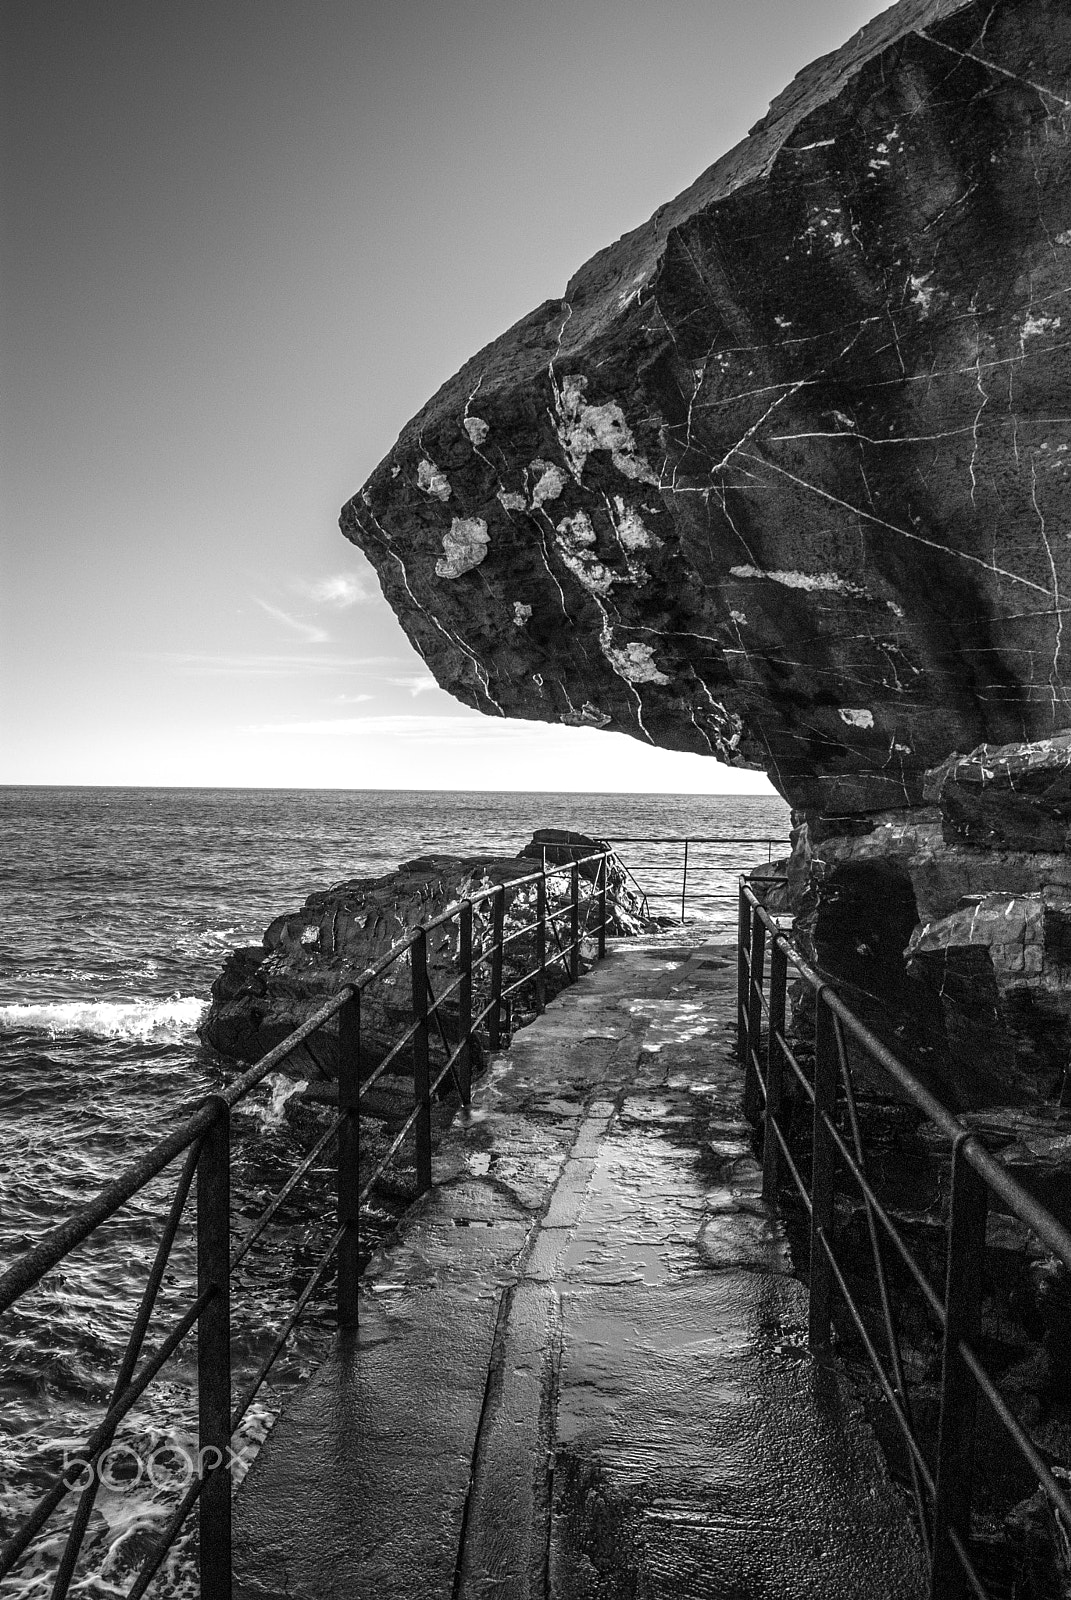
(581,1369)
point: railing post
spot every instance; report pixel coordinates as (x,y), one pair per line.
(775,1071)
(214,1356)
(752,1093)
(743,941)
(541,940)
(464,1002)
(574,924)
(604,866)
(684,880)
(498,928)
(959,1396)
(349,1158)
(822,1179)
(418,958)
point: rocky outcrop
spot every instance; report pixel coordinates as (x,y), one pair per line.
(785,478)
(785,475)
(266,991)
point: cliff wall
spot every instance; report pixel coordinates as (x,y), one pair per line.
(785,478)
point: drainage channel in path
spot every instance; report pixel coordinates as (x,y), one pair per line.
(581,1369)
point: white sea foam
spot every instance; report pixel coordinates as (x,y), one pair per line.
(282,1089)
(155,1020)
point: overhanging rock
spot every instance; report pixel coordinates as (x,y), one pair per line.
(785,477)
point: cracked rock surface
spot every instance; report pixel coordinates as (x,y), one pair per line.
(785,476)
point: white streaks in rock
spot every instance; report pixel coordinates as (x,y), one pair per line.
(451,638)
(464,547)
(521,613)
(1004,72)
(576,538)
(584,428)
(980,386)
(476,428)
(432,481)
(1054,675)
(856,718)
(880,522)
(830,582)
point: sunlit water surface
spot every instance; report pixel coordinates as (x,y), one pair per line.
(119,906)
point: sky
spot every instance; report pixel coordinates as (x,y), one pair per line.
(241,243)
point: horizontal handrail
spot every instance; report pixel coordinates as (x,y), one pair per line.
(943,1493)
(205,1135)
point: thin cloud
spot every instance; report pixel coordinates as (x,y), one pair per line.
(431,729)
(309,632)
(415,682)
(342,590)
(261,665)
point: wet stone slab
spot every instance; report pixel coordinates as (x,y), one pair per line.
(581,1370)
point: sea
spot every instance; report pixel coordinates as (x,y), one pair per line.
(118,909)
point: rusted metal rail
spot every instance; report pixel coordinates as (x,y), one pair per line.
(700,869)
(557,933)
(941,1479)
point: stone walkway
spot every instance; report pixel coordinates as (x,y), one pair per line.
(581,1370)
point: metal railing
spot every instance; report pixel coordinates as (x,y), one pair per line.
(697,868)
(203,1144)
(941,1477)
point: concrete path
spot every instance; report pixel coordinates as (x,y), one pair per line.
(581,1371)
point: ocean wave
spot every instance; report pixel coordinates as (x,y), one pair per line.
(156,1020)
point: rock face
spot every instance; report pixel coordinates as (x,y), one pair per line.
(266,991)
(785,478)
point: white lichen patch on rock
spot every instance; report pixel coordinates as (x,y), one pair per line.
(632,661)
(922,291)
(1033,326)
(521,613)
(511,501)
(549,484)
(476,428)
(584,428)
(464,547)
(856,718)
(829,582)
(576,538)
(631,528)
(432,481)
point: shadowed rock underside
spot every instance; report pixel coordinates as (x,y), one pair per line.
(785,477)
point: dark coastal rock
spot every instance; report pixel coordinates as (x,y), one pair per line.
(784,477)
(1015,797)
(263,993)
